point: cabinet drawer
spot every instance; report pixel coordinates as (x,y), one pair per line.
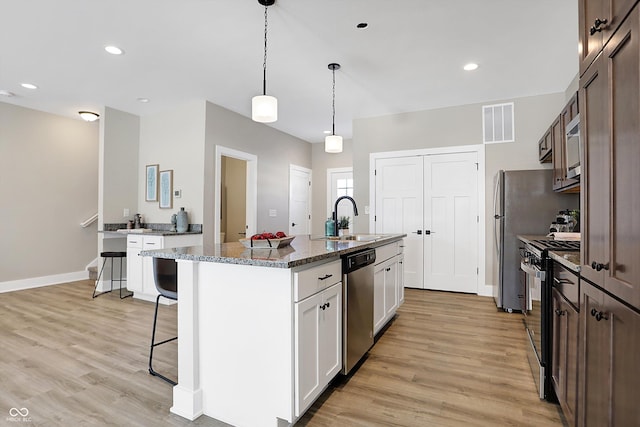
(385,252)
(567,283)
(134,242)
(311,280)
(152,242)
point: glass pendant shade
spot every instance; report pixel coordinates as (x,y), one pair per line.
(333,144)
(264,108)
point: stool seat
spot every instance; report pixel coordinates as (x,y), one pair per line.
(111,255)
(165,275)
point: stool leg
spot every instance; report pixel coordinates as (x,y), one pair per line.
(153,344)
(98,281)
(120,283)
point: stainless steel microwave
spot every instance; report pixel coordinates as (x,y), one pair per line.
(573,147)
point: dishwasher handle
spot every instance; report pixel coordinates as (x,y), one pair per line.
(358,260)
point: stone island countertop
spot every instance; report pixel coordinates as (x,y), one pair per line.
(302,250)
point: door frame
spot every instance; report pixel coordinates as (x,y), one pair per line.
(252,189)
(483,289)
(309,172)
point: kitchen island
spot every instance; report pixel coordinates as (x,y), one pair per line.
(260,330)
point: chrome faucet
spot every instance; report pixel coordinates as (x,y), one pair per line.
(334,216)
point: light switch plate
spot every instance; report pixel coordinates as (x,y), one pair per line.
(125,212)
(272,212)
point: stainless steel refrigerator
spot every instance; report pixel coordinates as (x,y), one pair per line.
(523,203)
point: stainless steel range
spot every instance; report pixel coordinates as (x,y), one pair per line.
(535,267)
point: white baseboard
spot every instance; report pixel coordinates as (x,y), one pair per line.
(485,291)
(37,282)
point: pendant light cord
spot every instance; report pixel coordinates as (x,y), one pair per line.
(264,63)
(333,104)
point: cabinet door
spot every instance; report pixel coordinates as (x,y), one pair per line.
(307,354)
(559,174)
(390,288)
(594,130)
(545,148)
(559,347)
(400,284)
(330,334)
(622,265)
(378,297)
(624,324)
(596,359)
(134,270)
(148,281)
(569,112)
(571,364)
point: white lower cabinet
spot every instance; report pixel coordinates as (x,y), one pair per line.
(140,269)
(318,347)
(388,290)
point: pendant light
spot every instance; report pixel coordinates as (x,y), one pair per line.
(333,142)
(264,108)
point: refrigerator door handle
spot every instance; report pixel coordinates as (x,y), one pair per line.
(496,216)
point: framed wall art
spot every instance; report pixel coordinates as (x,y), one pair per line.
(151,192)
(166,189)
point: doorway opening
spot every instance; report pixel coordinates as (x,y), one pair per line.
(236,196)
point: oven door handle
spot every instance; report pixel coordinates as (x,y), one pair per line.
(538,274)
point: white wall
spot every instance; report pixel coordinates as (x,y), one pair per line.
(275,151)
(48,186)
(175,141)
(321,162)
(454,126)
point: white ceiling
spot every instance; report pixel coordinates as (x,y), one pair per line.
(410,57)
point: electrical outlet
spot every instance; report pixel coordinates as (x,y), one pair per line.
(125,213)
(366,210)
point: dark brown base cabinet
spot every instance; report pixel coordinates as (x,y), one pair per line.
(564,359)
(610,362)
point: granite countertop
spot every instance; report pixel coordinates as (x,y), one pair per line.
(303,249)
(570,259)
(159,229)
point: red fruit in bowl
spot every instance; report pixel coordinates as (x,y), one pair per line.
(280,235)
(268,236)
(257,237)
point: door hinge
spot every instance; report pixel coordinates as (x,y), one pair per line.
(309,183)
(375,218)
(476,166)
(477,271)
(477,218)
(309,216)
(375,172)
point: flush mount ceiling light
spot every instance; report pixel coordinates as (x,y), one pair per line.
(333,142)
(264,108)
(143,100)
(470,66)
(89,116)
(114,50)
(29,86)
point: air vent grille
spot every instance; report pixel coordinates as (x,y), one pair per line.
(497,123)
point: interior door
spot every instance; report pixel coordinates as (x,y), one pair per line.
(399,204)
(299,200)
(451,222)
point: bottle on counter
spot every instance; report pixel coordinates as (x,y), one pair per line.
(182,221)
(329,227)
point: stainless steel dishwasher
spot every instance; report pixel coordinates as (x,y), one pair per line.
(357,321)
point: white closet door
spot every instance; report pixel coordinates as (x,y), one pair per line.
(399,204)
(451,222)
(299,200)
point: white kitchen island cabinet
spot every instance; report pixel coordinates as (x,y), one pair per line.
(259,330)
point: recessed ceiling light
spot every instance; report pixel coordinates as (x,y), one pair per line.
(327,132)
(28,86)
(362,25)
(144,100)
(114,50)
(7,93)
(470,66)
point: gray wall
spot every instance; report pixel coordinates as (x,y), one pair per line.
(48,186)
(275,151)
(455,126)
(321,162)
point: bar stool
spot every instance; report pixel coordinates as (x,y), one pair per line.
(111,256)
(165,275)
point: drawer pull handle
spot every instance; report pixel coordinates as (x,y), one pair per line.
(561,312)
(326,276)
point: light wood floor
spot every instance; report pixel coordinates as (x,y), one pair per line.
(446,360)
